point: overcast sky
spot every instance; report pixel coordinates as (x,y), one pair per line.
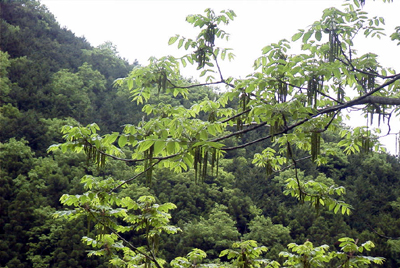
(141,29)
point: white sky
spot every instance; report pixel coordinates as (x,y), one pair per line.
(141,29)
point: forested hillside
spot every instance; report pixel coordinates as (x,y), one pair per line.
(53,83)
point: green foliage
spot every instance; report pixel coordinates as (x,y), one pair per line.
(318,192)
(194,258)
(246,254)
(212,234)
(215,144)
(396,35)
(107,210)
(307,255)
(268,234)
(4,81)
(268,160)
(177,138)
(351,250)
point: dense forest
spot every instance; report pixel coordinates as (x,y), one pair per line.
(49,78)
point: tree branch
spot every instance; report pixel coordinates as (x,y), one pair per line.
(197,85)
(219,69)
(365,99)
(357,101)
(348,63)
(234,116)
(129,160)
(303,88)
(379,100)
(238,132)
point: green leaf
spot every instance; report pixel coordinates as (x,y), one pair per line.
(318,35)
(109,139)
(173,39)
(294,37)
(122,141)
(344,210)
(158,147)
(267,49)
(191,18)
(144,145)
(181,43)
(307,36)
(187,44)
(223,54)
(337,207)
(204,135)
(231,56)
(190,59)
(337,73)
(171,147)
(183,62)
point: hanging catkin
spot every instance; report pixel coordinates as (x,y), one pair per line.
(275,126)
(243,101)
(311,91)
(365,144)
(314,86)
(148,163)
(282,92)
(334,44)
(197,163)
(340,94)
(269,169)
(315,145)
(204,171)
(214,161)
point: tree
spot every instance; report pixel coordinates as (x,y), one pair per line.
(268,234)
(4,81)
(293,98)
(212,235)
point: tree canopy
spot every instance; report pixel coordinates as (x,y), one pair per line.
(296,101)
(294,97)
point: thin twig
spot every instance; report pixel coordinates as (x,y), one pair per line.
(236,115)
(219,69)
(135,177)
(381,235)
(291,165)
(320,92)
(239,132)
(196,85)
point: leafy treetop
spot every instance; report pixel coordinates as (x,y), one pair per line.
(294,97)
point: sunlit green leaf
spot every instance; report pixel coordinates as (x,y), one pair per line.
(295,37)
(318,35)
(173,39)
(122,141)
(307,36)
